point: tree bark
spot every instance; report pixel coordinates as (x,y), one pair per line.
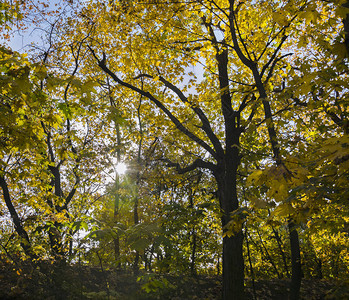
(233,262)
(192,234)
(282,252)
(116,239)
(250,263)
(296,278)
(117,198)
(233,268)
(54,233)
(138,180)
(24,238)
(193,253)
(268,256)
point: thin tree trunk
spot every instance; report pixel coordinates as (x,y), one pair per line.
(193,253)
(250,263)
(296,278)
(268,255)
(117,198)
(116,240)
(151,258)
(282,252)
(294,240)
(218,266)
(263,251)
(136,221)
(54,233)
(319,274)
(138,179)
(192,234)
(259,249)
(24,238)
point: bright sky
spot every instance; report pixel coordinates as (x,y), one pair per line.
(35,32)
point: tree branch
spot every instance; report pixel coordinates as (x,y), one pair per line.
(206,126)
(198,163)
(162,107)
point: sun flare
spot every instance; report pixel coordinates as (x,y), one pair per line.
(121,168)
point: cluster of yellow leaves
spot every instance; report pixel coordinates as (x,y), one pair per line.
(236,222)
(279,180)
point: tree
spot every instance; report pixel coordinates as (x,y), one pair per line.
(243,67)
(45,161)
(218,91)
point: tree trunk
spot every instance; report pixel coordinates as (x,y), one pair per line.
(56,242)
(233,267)
(117,198)
(55,236)
(192,235)
(151,258)
(282,252)
(319,268)
(273,139)
(218,266)
(138,180)
(268,256)
(233,262)
(136,221)
(24,238)
(193,254)
(296,278)
(250,263)
(116,240)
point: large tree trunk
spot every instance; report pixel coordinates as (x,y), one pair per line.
(233,267)
(233,262)
(56,243)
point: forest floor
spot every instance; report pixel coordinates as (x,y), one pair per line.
(76,282)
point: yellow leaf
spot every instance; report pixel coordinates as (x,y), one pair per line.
(280,18)
(254,176)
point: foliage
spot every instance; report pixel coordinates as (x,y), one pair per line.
(232,117)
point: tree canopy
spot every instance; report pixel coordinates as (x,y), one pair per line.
(232,120)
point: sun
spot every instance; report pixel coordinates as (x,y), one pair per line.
(121,168)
